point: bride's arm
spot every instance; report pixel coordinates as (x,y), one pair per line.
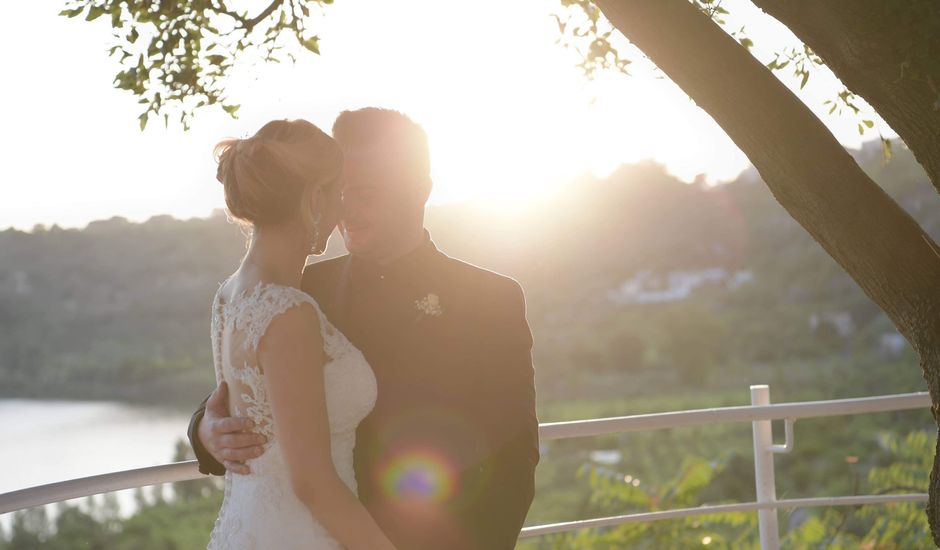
(291,355)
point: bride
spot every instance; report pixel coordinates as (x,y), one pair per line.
(299,380)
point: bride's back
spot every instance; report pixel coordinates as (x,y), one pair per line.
(262,502)
(242,310)
(283,182)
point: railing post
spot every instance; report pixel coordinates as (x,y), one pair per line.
(764,479)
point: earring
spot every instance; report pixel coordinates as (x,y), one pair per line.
(315,238)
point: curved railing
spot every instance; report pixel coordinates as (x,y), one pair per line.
(760,413)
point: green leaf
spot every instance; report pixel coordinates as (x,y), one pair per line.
(312,44)
(886,149)
(805,78)
(72,12)
(231,109)
(143,121)
(94,13)
(868,123)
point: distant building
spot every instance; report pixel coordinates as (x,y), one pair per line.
(606,456)
(647,287)
(841,321)
(891,344)
(740,278)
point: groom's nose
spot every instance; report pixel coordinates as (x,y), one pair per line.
(349,212)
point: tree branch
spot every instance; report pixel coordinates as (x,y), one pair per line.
(249,24)
(810,174)
(884,51)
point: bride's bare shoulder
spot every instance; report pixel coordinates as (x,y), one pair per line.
(292,334)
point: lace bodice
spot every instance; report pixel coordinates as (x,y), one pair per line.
(259,510)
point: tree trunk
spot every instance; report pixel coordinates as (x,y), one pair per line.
(809,173)
(886,51)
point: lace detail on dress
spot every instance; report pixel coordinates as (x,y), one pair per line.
(260,510)
(257,406)
(216,336)
(252,314)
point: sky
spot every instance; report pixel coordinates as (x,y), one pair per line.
(508,113)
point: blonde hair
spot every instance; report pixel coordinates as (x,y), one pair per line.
(269,178)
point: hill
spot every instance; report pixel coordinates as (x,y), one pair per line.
(637,273)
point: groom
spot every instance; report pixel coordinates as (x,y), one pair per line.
(446,460)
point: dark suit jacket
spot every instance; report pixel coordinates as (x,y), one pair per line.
(447,457)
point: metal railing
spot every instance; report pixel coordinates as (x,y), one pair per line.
(760,413)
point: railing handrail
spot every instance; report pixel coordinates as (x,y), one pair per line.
(707,509)
(188,470)
(740,413)
(102,483)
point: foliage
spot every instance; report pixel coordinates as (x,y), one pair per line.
(118,310)
(583,23)
(177,57)
(901,525)
(904,468)
(158,525)
(181,521)
(884,526)
(184,519)
(583,28)
(618,493)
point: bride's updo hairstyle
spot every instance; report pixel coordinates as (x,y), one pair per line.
(270,177)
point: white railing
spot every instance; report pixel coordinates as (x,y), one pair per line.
(760,413)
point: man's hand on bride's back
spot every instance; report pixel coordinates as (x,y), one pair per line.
(228,438)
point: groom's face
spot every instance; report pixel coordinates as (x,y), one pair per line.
(380,205)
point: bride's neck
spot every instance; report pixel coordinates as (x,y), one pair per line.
(277,254)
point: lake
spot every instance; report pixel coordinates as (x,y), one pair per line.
(48,441)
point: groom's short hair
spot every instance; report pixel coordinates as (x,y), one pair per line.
(373,128)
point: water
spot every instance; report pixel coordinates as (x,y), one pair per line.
(48,441)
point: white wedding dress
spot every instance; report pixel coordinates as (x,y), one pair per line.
(260,510)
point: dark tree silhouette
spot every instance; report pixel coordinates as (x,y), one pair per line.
(811,175)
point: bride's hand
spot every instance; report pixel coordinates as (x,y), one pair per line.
(227,438)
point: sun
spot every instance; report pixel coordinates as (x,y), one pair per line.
(513,149)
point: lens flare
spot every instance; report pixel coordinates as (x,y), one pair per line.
(418,475)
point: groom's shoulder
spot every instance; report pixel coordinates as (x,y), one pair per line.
(323,270)
(475,278)
(495,300)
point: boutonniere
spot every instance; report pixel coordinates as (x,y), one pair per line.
(430,305)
